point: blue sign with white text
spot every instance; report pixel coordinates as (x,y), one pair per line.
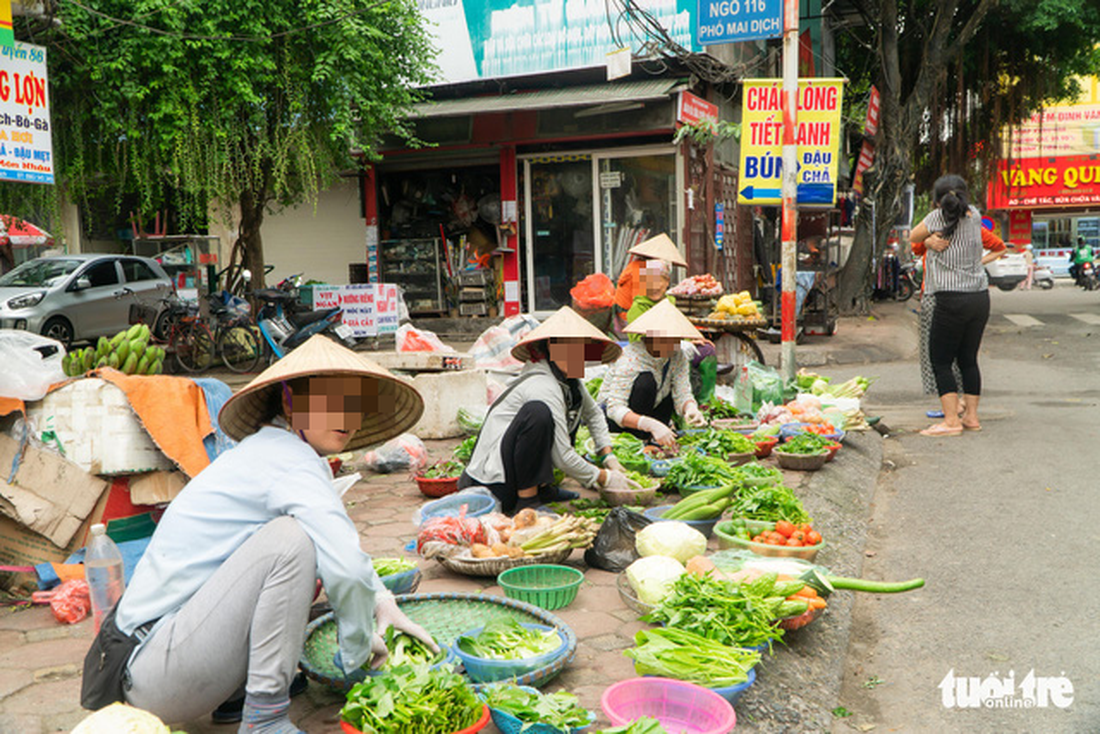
(730,21)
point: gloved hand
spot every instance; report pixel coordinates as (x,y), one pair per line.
(388,614)
(693,415)
(358,674)
(618,480)
(612,462)
(661,433)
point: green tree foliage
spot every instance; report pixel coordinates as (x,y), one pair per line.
(953,74)
(253,103)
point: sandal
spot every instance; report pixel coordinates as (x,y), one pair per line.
(974,427)
(942,431)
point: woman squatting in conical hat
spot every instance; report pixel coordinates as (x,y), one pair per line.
(651,379)
(531,427)
(220,600)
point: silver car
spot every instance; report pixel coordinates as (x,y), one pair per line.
(75,298)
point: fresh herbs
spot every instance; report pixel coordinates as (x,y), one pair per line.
(772,502)
(719,442)
(740,615)
(391,566)
(443,470)
(407,650)
(465,450)
(560,710)
(717,408)
(760,474)
(698,470)
(629,450)
(683,655)
(507,639)
(412,698)
(805,443)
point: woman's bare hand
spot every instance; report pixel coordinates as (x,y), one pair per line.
(936,242)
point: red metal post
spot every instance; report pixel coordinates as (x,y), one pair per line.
(790,186)
(510,236)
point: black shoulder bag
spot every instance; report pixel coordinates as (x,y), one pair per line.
(105,665)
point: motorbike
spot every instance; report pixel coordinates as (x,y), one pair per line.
(909,280)
(1043,277)
(1086,277)
(285,323)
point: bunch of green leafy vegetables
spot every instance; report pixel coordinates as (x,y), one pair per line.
(391,566)
(560,710)
(465,450)
(696,470)
(719,442)
(771,502)
(644,725)
(443,470)
(412,698)
(506,639)
(741,615)
(405,649)
(804,443)
(676,653)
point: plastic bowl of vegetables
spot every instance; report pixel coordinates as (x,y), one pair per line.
(733,693)
(678,706)
(476,505)
(832,448)
(516,709)
(440,479)
(398,575)
(505,648)
(706,527)
(741,533)
(407,650)
(644,496)
(803,452)
(764,446)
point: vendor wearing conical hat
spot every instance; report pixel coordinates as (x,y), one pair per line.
(221,598)
(651,379)
(647,275)
(530,429)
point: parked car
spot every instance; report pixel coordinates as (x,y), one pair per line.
(1007,272)
(75,298)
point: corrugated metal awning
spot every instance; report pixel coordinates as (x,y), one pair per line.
(609,94)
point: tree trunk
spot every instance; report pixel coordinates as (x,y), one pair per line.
(248,250)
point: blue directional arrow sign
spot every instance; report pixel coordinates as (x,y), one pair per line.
(751,193)
(731,21)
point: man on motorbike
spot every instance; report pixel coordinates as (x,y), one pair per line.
(1080,255)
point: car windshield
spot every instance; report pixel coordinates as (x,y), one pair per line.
(44,273)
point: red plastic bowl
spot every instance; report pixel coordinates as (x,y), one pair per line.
(764,447)
(832,449)
(679,706)
(437,487)
(477,726)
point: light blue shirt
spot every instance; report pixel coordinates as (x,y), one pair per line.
(269,474)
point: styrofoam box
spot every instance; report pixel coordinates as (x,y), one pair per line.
(97,428)
(444,393)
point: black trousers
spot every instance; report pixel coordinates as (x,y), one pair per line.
(957,327)
(643,401)
(525,450)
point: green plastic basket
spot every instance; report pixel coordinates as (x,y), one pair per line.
(445,616)
(545,585)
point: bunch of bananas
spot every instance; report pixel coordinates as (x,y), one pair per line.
(735,306)
(128,351)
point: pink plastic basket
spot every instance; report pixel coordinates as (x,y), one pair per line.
(679,706)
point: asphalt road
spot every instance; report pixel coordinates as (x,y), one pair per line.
(1002,525)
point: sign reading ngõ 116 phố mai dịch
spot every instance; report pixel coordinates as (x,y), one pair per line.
(817,134)
(732,21)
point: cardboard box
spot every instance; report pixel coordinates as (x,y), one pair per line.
(98,429)
(49,495)
(157,487)
(22,547)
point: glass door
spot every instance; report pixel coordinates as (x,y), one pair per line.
(637,199)
(560,244)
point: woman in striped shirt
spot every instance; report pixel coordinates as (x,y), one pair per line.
(955,274)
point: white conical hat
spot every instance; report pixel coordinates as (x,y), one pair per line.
(565,324)
(660,247)
(399,405)
(664,320)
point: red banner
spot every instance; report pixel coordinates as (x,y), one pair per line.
(866,158)
(1034,183)
(693,109)
(874,109)
(1019,227)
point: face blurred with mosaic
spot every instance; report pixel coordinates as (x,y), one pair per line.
(327,410)
(654,276)
(570,355)
(661,346)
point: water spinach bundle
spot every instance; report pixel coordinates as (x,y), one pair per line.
(412,698)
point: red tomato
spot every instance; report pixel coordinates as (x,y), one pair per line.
(813,537)
(784,528)
(794,543)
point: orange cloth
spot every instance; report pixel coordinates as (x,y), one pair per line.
(10,405)
(173,411)
(630,284)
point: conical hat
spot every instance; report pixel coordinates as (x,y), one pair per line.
(664,319)
(399,405)
(660,247)
(566,323)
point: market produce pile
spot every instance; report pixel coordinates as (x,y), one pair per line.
(697,285)
(495,535)
(128,351)
(735,306)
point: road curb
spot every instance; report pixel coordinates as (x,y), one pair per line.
(799,685)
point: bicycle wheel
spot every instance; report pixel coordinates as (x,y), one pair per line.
(193,347)
(240,348)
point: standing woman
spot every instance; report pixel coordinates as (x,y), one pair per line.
(530,429)
(955,274)
(651,380)
(631,283)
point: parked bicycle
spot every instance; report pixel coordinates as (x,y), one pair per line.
(191,341)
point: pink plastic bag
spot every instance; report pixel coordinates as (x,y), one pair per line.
(410,339)
(71,601)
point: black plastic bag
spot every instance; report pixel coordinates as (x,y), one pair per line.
(613,549)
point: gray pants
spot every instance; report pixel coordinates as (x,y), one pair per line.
(245,626)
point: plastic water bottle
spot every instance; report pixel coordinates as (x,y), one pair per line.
(103,571)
